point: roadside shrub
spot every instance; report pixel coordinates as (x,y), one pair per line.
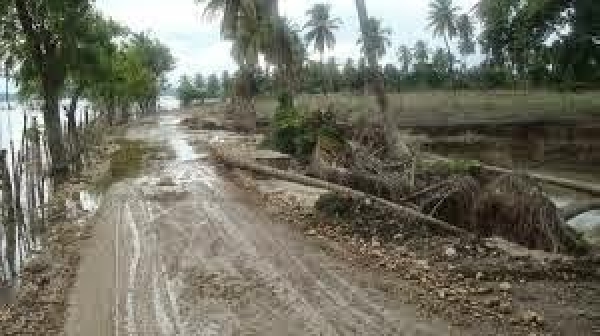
(295,131)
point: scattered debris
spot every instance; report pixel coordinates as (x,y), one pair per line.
(476,290)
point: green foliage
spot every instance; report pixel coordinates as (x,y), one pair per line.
(378,38)
(188,92)
(321,27)
(442,18)
(296,133)
(466,34)
(213,86)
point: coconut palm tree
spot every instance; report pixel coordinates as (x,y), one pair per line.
(378,40)
(231,10)
(394,146)
(288,52)
(421,52)
(321,27)
(242,24)
(442,20)
(405,57)
(466,34)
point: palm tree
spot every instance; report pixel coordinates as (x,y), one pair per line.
(242,24)
(466,34)
(405,57)
(231,10)
(284,47)
(321,28)
(442,19)
(379,38)
(394,146)
(421,52)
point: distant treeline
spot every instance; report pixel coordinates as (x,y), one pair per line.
(520,45)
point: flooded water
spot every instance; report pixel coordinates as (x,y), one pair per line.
(11,119)
(168,103)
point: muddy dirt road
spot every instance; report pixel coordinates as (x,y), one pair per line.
(181,251)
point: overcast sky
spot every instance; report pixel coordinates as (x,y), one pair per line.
(197,45)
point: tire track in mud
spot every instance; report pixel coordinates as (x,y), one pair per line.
(193,257)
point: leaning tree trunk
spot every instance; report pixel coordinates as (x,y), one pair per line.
(450,64)
(229,158)
(395,147)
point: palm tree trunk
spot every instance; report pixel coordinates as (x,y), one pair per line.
(6,78)
(450,63)
(323,74)
(395,148)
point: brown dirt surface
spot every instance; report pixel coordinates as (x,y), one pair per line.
(180,250)
(478,287)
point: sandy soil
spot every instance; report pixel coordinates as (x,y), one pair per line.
(181,251)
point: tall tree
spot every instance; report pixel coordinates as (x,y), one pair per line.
(200,82)
(242,23)
(421,52)
(376,77)
(157,58)
(213,86)
(46,35)
(466,33)
(226,84)
(442,20)
(231,11)
(379,38)
(186,91)
(405,57)
(321,26)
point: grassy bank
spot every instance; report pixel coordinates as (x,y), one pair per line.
(450,107)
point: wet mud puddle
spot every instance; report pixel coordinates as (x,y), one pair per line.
(180,251)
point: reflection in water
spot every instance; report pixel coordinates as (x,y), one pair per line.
(183,150)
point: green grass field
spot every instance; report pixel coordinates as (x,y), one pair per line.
(462,106)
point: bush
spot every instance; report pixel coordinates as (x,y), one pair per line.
(296,132)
